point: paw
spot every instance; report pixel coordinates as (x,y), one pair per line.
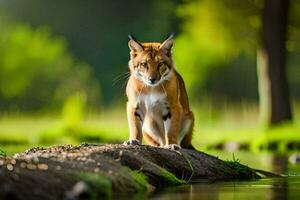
(132,142)
(172,146)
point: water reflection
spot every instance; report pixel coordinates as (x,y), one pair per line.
(280,164)
(279,190)
(287,187)
(280,186)
(272,189)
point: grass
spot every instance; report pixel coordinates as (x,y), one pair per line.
(243,170)
(170,178)
(239,123)
(237,166)
(214,125)
(19,132)
(2,153)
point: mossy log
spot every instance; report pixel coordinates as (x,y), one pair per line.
(93,171)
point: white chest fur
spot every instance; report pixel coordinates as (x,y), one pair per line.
(152,99)
(153,107)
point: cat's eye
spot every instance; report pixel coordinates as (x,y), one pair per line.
(162,69)
(161,64)
(144,65)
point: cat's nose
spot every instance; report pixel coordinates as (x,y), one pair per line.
(152,80)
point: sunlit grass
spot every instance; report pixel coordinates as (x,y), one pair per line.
(19,132)
(215,126)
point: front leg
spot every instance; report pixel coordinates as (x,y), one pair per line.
(172,129)
(135,123)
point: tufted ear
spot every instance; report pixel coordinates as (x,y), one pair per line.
(166,46)
(134,45)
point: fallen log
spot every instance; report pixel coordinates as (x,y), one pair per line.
(93,171)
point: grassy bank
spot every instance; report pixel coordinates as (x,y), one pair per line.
(227,126)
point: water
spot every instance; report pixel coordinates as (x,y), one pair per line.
(286,187)
(275,188)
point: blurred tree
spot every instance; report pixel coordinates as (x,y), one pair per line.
(97,30)
(217,35)
(215,50)
(273,86)
(37,71)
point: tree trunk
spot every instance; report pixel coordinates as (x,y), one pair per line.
(273,87)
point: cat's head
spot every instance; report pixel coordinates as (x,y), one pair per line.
(151,62)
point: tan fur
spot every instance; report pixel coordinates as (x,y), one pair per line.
(159,112)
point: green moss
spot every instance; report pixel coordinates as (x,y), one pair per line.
(140,179)
(166,178)
(170,179)
(98,185)
(2,153)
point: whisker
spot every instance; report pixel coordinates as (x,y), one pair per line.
(125,82)
(117,77)
(120,77)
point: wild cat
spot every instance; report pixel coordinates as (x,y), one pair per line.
(157,107)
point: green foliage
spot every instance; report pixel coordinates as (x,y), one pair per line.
(243,170)
(15,138)
(98,185)
(215,41)
(101,44)
(215,126)
(140,179)
(73,110)
(218,41)
(214,34)
(170,178)
(2,153)
(37,71)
